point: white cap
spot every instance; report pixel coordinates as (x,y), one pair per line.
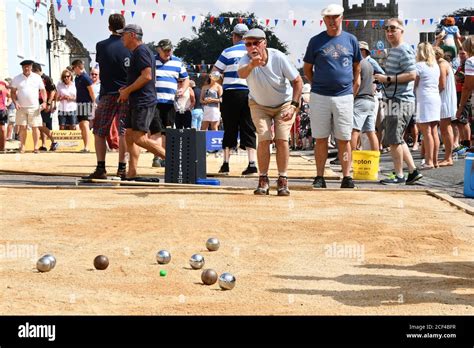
(333,10)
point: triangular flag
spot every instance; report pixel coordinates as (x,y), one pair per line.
(102,2)
(102,11)
(132,13)
(413,46)
(472,19)
(231,20)
(81,9)
(431,20)
(249,21)
(221,20)
(276,22)
(91,9)
(193,18)
(134,2)
(69,8)
(69,2)
(365,22)
(183,17)
(164,17)
(153,14)
(464,19)
(90,3)
(373,24)
(122,12)
(211,19)
(423,21)
(202,18)
(173,19)
(456,18)
(123,2)
(241,19)
(59,7)
(303,22)
(198,75)
(406,22)
(320,22)
(294,22)
(347,24)
(144,14)
(356,24)
(382,21)
(267,21)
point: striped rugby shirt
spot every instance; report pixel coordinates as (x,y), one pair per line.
(228,62)
(167,75)
(400,60)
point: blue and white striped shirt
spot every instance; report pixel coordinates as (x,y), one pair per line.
(228,62)
(167,75)
(401,60)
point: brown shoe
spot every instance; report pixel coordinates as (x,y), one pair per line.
(282,186)
(263,187)
(122,174)
(98,174)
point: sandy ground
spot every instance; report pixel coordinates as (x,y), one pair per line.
(313,253)
(79,164)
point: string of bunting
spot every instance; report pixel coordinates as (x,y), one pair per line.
(249,21)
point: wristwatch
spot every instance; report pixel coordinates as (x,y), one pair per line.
(389,79)
(295,104)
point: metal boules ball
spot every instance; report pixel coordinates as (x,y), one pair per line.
(163,257)
(213,244)
(101,262)
(209,276)
(196,261)
(44,264)
(53,260)
(226,281)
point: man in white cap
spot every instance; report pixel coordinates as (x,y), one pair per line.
(332,63)
(272,101)
(235,109)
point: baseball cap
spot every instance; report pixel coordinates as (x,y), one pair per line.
(364,45)
(255,33)
(27,62)
(165,44)
(131,28)
(333,10)
(240,29)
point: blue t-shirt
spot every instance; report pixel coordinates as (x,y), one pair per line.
(332,59)
(114,59)
(82,82)
(142,58)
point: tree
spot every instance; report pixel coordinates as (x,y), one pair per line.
(215,34)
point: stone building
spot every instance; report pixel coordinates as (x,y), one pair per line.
(372,32)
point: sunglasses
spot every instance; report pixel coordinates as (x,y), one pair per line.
(94,74)
(67,76)
(253,43)
(391,28)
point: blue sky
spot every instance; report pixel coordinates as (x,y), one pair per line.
(92,28)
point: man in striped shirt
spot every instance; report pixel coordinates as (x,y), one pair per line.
(399,102)
(235,108)
(169,69)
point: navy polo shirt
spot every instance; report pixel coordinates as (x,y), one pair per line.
(82,82)
(142,58)
(114,59)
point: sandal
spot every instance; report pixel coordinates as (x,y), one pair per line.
(424,166)
(445,164)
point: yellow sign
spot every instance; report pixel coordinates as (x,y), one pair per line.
(365,165)
(68,140)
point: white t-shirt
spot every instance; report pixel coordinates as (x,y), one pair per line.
(70,91)
(469,71)
(27,89)
(269,85)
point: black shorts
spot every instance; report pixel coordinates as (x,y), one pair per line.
(237,118)
(3,117)
(47,119)
(166,114)
(144,119)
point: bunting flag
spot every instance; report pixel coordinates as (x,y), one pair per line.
(102,11)
(365,22)
(123,2)
(303,22)
(135,2)
(347,24)
(153,14)
(406,22)
(193,18)
(382,21)
(276,22)
(69,8)
(59,5)
(81,9)
(231,20)
(211,19)
(249,21)
(431,20)
(294,22)
(320,22)
(221,19)
(164,17)
(122,12)
(241,19)
(91,9)
(183,17)
(423,21)
(90,3)
(356,24)
(373,24)
(267,21)
(132,13)
(69,2)
(103,3)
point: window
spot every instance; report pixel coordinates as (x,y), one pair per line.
(19,34)
(42,43)
(31,26)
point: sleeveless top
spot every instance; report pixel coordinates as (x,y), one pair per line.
(211,93)
(449,97)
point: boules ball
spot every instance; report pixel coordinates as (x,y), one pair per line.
(163,257)
(101,262)
(212,244)
(226,281)
(44,264)
(196,261)
(52,258)
(209,276)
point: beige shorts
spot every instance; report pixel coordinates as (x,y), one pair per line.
(29,117)
(262,117)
